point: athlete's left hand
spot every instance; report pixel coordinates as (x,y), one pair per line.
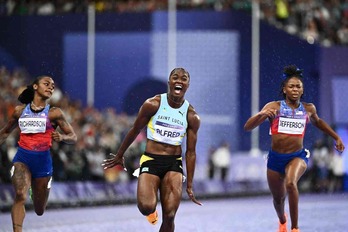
(56,136)
(339,145)
(192,196)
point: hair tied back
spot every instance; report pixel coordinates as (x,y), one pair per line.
(299,72)
(292,73)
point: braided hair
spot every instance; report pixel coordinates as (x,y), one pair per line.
(289,72)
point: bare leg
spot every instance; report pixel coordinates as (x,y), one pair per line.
(170,192)
(148,186)
(21,182)
(293,173)
(277,188)
(41,188)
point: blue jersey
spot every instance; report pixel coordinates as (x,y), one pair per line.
(169,124)
(290,121)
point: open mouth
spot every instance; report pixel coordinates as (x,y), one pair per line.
(177,89)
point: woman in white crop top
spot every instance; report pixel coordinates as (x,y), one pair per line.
(161,167)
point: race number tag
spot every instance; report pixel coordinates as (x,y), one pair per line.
(294,126)
(32,125)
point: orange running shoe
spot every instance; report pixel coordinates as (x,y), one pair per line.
(282,227)
(152,218)
(295,230)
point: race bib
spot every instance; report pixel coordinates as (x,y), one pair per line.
(168,133)
(294,126)
(32,125)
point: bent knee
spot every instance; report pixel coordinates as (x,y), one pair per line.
(20,196)
(146,209)
(291,186)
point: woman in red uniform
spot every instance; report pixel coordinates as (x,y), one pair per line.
(32,164)
(287,159)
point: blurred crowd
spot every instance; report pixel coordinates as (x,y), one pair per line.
(316,21)
(99,132)
(219,161)
(325,172)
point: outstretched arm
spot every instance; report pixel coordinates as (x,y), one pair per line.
(11,124)
(323,126)
(270,110)
(190,155)
(146,111)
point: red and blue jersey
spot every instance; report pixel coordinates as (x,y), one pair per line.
(36,129)
(290,121)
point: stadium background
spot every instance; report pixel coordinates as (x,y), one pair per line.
(131,54)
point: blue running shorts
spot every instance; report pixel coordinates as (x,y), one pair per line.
(277,161)
(38,162)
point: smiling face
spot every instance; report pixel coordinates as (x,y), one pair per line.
(293,89)
(45,87)
(178,83)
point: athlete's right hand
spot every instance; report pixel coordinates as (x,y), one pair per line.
(269,112)
(192,196)
(113,161)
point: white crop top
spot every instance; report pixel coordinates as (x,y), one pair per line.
(169,124)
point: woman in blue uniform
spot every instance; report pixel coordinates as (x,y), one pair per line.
(287,159)
(168,117)
(32,164)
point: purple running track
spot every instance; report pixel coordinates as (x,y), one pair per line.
(318,213)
